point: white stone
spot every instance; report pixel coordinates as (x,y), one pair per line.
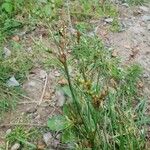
(47,137)
(146,18)
(16,146)
(12,82)
(8,131)
(109,20)
(148,27)
(42,74)
(125,4)
(6,52)
(144,8)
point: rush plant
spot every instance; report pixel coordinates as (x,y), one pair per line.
(104,110)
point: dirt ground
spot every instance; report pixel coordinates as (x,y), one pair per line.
(43,98)
(132,44)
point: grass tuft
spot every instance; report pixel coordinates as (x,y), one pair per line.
(101,113)
(25,137)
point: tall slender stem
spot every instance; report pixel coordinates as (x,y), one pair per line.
(73,96)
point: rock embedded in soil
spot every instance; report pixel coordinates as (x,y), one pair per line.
(146,18)
(12,82)
(6,52)
(31,110)
(47,138)
(148,27)
(125,4)
(16,38)
(58,136)
(57,73)
(55,143)
(8,131)
(146,75)
(42,74)
(114,53)
(109,20)
(47,95)
(16,146)
(29,49)
(41,145)
(144,8)
(60,98)
(63,82)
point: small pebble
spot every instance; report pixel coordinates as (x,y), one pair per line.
(12,82)
(109,20)
(114,53)
(31,110)
(29,49)
(41,145)
(144,8)
(148,27)
(8,131)
(37,117)
(58,136)
(42,74)
(16,38)
(16,146)
(6,52)
(146,18)
(63,82)
(145,75)
(55,143)
(125,4)
(47,137)
(57,73)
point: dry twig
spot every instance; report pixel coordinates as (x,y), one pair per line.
(44,89)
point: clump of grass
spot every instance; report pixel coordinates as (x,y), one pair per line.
(104,111)
(83,10)
(115,26)
(17,65)
(8,22)
(20,61)
(25,137)
(8,98)
(83,27)
(29,13)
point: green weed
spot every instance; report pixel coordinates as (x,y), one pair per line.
(30,13)
(115,26)
(83,27)
(25,137)
(8,22)
(101,112)
(92,9)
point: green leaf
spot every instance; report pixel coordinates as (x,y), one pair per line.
(47,10)
(8,7)
(66,109)
(11,24)
(68,136)
(67,91)
(58,123)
